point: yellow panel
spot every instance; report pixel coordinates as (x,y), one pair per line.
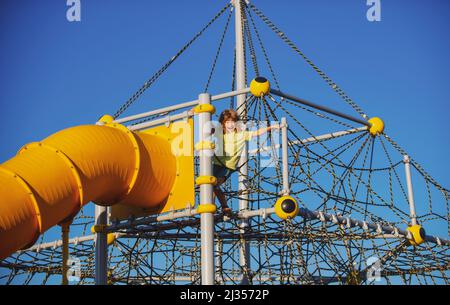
(180,135)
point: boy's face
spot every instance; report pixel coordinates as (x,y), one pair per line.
(230,125)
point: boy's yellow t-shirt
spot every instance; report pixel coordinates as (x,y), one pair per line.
(233,144)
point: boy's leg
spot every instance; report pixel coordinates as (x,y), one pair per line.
(218,192)
(221,196)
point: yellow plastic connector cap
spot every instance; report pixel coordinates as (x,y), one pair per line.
(260,86)
(206,180)
(418,235)
(110,238)
(205,108)
(97,229)
(206,208)
(106,119)
(286,207)
(377,126)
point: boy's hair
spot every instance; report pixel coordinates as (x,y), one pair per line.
(228,114)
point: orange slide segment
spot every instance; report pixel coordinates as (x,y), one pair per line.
(48,182)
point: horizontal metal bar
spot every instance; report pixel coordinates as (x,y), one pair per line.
(260,212)
(320,107)
(311,139)
(328,136)
(58,243)
(229,94)
(153,219)
(157,111)
(254,238)
(166,119)
(193,103)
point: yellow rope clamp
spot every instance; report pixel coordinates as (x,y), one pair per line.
(204,145)
(206,180)
(205,108)
(110,238)
(260,86)
(418,235)
(286,207)
(206,208)
(377,126)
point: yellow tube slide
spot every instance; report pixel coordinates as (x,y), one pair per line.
(48,182)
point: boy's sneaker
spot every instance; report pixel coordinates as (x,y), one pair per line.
(226,210)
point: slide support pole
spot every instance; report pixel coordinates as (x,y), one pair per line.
(101,246)
(65,252)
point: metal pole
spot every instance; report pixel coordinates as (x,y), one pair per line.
(284,147)
(65,251)
(166,119)
(244,257)
(101,246)
(319,107)
(412,207)
(58,243)
(206,195)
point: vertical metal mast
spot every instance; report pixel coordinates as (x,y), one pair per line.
(206,194)
(65,251)
(242,111)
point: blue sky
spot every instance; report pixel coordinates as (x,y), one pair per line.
(55,74)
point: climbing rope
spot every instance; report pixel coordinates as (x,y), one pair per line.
(154,77)
(326,78)
(219,48)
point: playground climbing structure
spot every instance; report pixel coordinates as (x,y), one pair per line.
(330,199)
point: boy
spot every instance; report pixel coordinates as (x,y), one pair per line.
(234,142)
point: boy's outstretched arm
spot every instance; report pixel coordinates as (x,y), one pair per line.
(263,130)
